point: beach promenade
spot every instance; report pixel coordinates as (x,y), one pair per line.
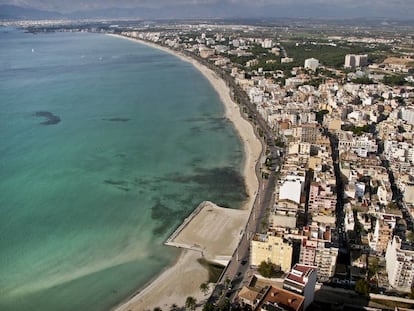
(212,232)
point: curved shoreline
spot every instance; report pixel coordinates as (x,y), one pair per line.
(171,286)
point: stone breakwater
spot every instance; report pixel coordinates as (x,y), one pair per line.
(186,221)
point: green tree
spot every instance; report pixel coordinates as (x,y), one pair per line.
(266,269)
(279,143)
(190,303)
(411,294)
(225,306)
(204,288)
(401,129)
(157,309)
(209,307)
(263,225)
(363,81)
(372,268)
(410,236)
(320,115)
(174,307)
(392,205)
(362,287)
(394,80)
(227,282)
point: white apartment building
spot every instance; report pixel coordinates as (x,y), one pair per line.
(325,260)
(319,253)
(384,192)
(302,280)
(311,63)
(361,145)
(400,264)
(352,60)
(407,115)
(256,95)
(355,116)
(398,151)
(294,81)
(285,60)
(267,43)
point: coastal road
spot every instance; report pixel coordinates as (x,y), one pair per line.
(264,197)
(239,263)
(238,266)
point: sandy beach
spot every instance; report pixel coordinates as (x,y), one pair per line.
(214,232)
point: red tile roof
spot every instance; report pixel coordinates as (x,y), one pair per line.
(299,272)
(283,298)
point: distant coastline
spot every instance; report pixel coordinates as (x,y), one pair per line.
(169,287)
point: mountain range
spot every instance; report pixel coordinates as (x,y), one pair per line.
(223,10)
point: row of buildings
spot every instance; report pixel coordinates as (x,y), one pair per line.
(302,221)
(373,124)
(295,293)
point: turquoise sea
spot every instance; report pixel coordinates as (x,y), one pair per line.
(106,145)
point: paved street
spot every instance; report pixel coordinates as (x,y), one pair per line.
(238,267)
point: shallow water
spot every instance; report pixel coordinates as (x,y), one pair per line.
(86,202)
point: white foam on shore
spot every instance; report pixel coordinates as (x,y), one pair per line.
(53,276)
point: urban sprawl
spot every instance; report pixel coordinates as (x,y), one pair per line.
(338,109)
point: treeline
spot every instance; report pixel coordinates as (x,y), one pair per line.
(331,56)
(328,55)
(358,130)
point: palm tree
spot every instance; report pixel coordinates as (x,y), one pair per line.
(227,282)
(190,303)
(174,307)
(204,288)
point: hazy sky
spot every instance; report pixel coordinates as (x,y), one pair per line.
(382,8)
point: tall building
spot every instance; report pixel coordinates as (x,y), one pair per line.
(271,247)
(311,63)
(352,60)
(325,260)
(321,199)
(349,61)
(407,115)
(382,234)
(302,280)
(319,253)
(267,43)
(400,264)
(361,145)
(308,133)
